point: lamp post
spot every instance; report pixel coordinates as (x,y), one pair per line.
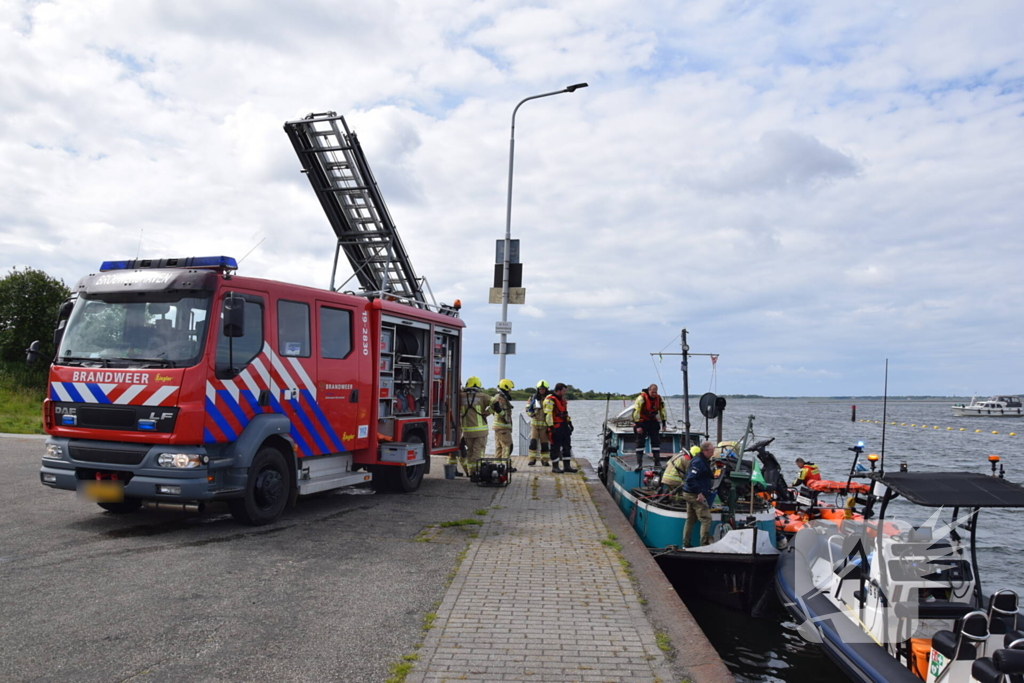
(508,223)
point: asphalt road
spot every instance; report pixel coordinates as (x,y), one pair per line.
(335,590)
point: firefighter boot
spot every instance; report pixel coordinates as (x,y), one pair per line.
(555,469)
(531,462)
(639,463)
(657,458)
(567,466)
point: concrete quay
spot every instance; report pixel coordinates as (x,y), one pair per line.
(544,593)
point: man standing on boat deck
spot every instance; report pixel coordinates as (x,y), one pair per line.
(538,426)
(473,414)
(698,495)
(808,472)
(556,415)
(648,419)
(501,408)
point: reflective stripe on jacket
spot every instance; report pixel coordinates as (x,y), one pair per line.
(501,408)
(809,472)
(673,474)
(556,412)
(473,410)
(646,409)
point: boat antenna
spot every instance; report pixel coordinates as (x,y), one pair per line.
(885,404)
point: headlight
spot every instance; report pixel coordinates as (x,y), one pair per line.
(180,460)
(54,452)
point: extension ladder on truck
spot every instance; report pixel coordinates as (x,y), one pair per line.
(337,169)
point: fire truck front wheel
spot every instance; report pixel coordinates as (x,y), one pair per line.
(266,491)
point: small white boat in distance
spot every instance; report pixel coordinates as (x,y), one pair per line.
(997,406)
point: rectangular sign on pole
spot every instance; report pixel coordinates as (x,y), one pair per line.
(516,295)
(499,251)
(515,274)
(503,327)
(510,348)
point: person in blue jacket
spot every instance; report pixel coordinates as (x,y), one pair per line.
(698,495)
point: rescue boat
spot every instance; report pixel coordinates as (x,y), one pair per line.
(891,600)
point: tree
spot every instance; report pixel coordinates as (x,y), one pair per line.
(29,300)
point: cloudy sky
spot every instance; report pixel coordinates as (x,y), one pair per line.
(809,188)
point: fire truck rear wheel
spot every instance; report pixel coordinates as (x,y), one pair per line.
(122,508)
(266,492)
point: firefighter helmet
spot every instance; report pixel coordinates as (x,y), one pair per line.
(473,383)
(543,383)
(506,384)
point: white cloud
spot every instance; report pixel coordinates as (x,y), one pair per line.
(815,187)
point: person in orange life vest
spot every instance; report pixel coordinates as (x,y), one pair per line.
(556,415)
(808,472)
(648,420)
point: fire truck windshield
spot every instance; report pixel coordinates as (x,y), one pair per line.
(163,329)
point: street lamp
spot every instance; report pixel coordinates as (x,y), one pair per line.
(508,225)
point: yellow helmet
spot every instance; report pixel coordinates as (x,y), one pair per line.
(543,383)
(473,382)
(694,450)
(506,384)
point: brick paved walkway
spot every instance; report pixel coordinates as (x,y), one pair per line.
(539,598)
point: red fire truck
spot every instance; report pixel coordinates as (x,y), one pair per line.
(177,382)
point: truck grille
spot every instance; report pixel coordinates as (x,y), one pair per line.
(114,454)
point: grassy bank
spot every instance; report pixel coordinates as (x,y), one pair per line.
(22,391)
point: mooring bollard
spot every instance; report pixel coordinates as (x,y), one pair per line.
(853,413)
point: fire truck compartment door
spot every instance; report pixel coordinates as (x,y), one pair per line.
(343,366)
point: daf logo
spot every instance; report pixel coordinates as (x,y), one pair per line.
(161,416)
(63,410)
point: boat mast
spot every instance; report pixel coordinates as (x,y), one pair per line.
(686,389)
(686,379)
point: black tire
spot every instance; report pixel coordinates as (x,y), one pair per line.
(124,507)
(266,491)
(406,479)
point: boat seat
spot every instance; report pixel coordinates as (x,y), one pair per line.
(1002,612)
(960,643)
(984,671)
(1012,637)
(1009,661)
(937,609)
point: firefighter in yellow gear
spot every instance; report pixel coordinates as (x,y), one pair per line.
(675,471)
(473,410)
(501,408)
(539,442)
(808,472)
(648,420)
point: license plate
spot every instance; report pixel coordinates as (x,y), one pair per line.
(102,491)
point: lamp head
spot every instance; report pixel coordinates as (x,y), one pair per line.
(574,88)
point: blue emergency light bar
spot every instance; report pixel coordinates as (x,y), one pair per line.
(212,262)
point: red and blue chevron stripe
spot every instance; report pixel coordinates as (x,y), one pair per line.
(231,404)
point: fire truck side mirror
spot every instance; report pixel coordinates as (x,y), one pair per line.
(32,352)
(63,313)
(234,316)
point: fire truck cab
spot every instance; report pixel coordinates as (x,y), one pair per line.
(177,383)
